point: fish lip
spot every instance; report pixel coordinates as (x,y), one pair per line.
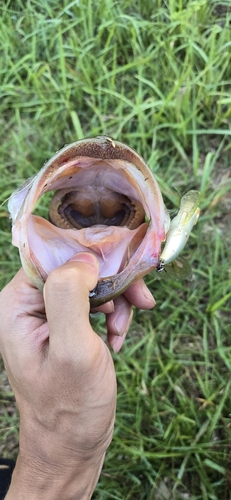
(145,259)
(99,148)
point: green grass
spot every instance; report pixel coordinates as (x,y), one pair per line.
(157,76)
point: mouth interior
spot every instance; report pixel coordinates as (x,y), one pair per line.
(100,209)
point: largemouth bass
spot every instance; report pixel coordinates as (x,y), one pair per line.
(106,201)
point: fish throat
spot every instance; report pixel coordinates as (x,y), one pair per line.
(94,206)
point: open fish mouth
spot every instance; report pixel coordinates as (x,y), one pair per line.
(106,201)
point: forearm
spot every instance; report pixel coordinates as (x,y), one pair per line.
(31,481)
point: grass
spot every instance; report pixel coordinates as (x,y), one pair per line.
(157,76)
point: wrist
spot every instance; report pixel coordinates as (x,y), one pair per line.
(33,479)
(47,469)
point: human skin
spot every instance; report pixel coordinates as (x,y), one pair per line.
(63,378)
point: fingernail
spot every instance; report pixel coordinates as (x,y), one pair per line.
(87,257)
(117,342)
(148,295)
(122,323)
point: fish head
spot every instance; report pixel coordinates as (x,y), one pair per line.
(105,201)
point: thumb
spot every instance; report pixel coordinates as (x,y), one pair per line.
(66,297)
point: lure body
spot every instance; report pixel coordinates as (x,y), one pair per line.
(180,228)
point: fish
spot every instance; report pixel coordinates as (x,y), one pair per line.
(105,200)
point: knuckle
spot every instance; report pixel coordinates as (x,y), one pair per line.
(65,277)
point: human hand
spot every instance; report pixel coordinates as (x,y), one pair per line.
(119,312)
(63,378)
(64,382)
